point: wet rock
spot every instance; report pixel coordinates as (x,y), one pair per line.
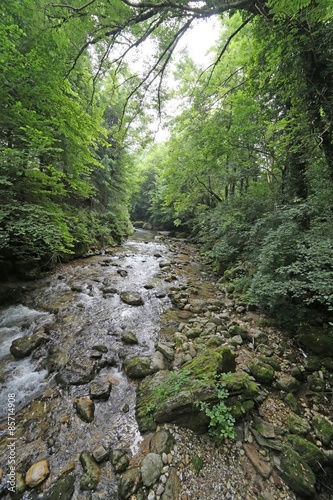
(100,389)
(309,452)
(298,425)
(132,298)
(92,474)
(296,473)
(263,468)
(100,348)
(323,429)
(100,453)
(129,338)
(287,383)
(151,468)
(138,367)
(122,272)
(20,485)
(172,485)
(162,442)
(166,349)
(130,483)
(119,460)
(85,409)
(262,372)
(76,373)
(24,346)
(37,473)
(63,488)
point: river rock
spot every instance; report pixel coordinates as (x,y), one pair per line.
(162,442)
(129,338)
(37,473)
(24,346)
(119,460)
(166,348)
(92,474)
(138,366)
(132,298)
(20,485)
(157,362)
(85,409)
(130,483)
(99,453)
(76,373)
(100,389)
(122,272)
(296,473)
(151,468)
(172,485)
(63,488)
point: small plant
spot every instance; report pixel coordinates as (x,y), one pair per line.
(221,425)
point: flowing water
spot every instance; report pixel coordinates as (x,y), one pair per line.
(79,307)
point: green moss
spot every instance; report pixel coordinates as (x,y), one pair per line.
(240,383)
(296,472)
(196,464)
(310,453)
(273,362)
(262,372)
(323,429)
(298,425)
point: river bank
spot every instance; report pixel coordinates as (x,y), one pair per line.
(154,300)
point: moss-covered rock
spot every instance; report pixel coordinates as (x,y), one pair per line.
(130,483)
(240,383)
(212,362)
(138,366)
(92,474)
(63,488)
(323,428)
(310,453)
(297,473)
(262,372)
(298,425)
(318,342)
(271,361)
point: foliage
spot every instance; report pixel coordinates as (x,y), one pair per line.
(221,421)
(55,143)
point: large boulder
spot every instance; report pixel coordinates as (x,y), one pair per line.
(132,298)
(130,483)
(76,373)
(151,468)
(139,366)
(63,488)
(24,346)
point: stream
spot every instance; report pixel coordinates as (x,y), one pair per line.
(80,309)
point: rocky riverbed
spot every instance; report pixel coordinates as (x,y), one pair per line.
(114,361)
